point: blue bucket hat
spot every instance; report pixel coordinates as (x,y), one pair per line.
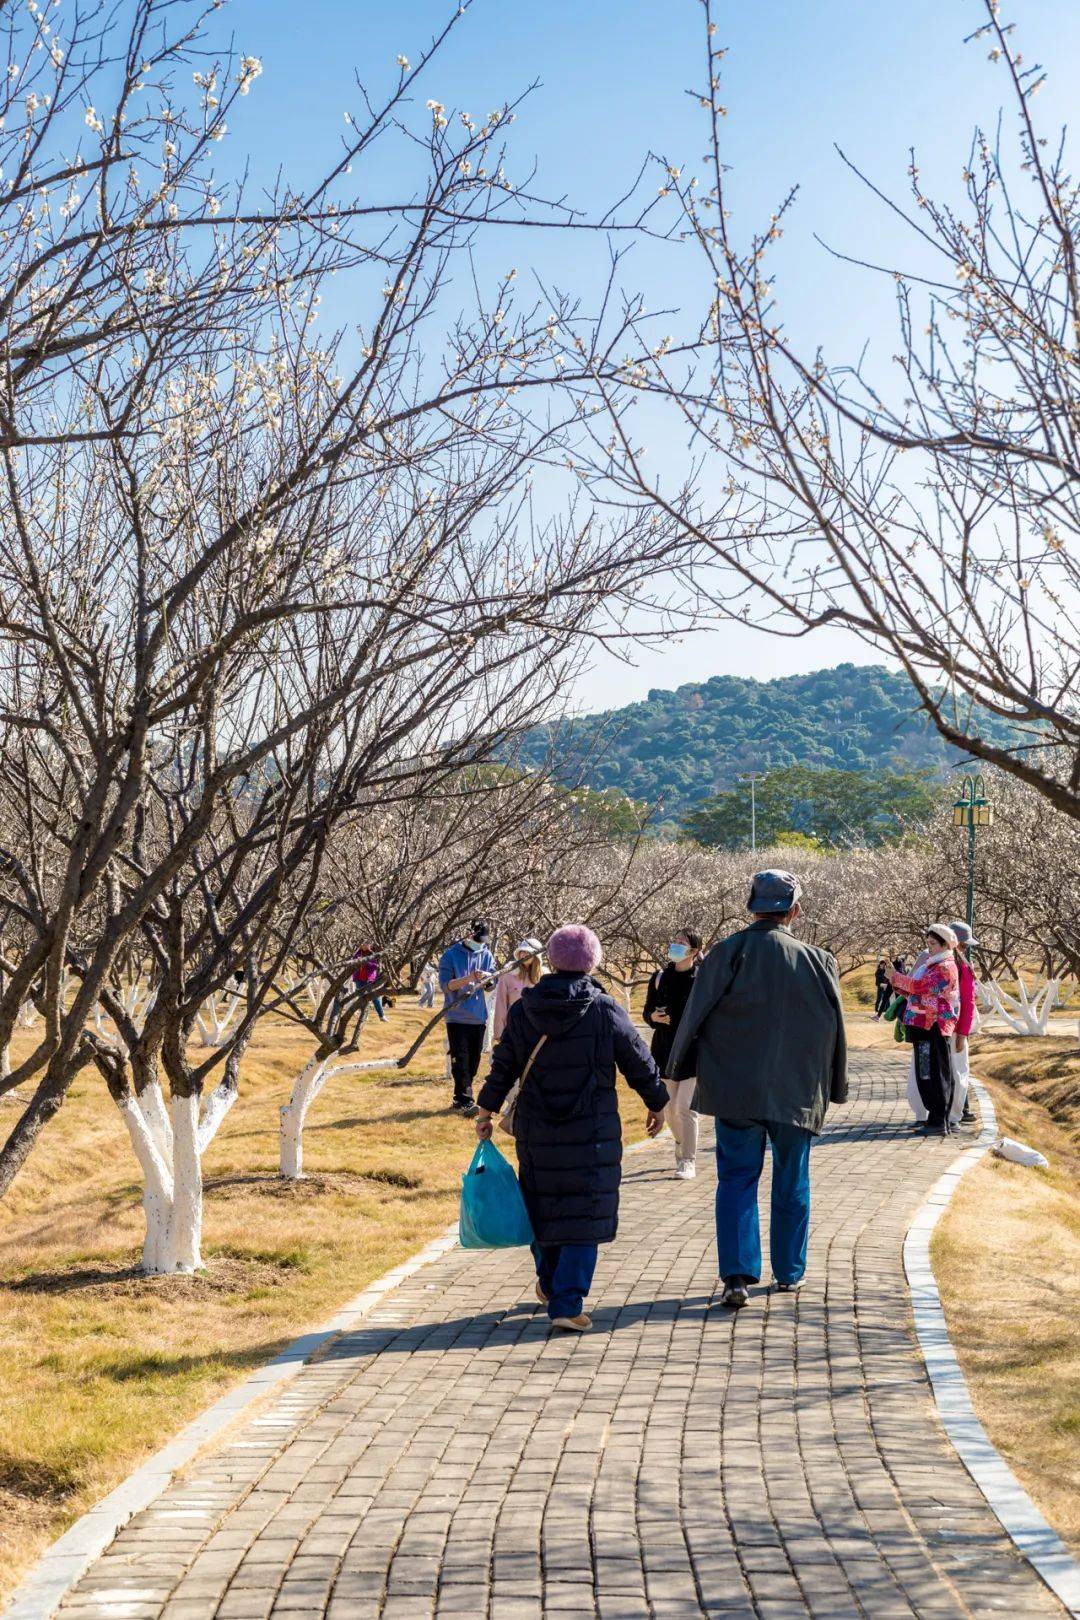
(772,892)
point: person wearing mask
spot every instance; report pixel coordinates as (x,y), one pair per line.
(967,1023)
(565,1038)
(528,966)
(766,1014)
(933,1005)
(665,1002)
(882,988)
(463,968)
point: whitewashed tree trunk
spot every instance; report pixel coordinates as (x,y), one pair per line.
(215,1108)
(5,1060)
(156,1167)
(316,990)
(306,1087)
(215,1017)
(1026,1012)
(183,1244)
(169,1144)
(308,1084)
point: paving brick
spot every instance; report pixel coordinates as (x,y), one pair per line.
(449,1456)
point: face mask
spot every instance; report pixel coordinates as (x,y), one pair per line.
(474,944)
(677,952)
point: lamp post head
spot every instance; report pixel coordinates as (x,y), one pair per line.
(973,808)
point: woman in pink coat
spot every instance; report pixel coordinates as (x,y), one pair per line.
(933,1007)
(528,966)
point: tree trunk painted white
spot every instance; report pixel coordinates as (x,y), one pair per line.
(183,1245)
(152,1103)
(308,1084)
(27,1015)
(169,1144)
(215,1018)
(1026,1012)
(216,1107)
(157,1181)
(306,1087)
(5,1060)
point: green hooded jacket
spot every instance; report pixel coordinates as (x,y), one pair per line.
(766,1013)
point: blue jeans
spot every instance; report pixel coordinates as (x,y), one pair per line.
(565,1273)
(740,1156)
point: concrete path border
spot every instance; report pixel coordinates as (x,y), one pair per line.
(58,1569)
(65,1562)
(70,1556)
(1039,1543)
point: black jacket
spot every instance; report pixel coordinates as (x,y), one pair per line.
(767,1016)
(569,1137)
(669,989)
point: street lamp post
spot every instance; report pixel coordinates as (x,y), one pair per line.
(971,810)
(753,777)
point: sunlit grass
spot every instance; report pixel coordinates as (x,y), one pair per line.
(102,1366)
(1007,1259)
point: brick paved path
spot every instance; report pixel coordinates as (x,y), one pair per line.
(454,1458)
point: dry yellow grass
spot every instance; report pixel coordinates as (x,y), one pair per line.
(101,1366)
(1007,1259)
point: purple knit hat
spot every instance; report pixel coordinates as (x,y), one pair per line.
(574,949)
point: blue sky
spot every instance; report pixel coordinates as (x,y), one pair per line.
(871,76)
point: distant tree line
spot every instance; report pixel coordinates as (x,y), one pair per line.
(823,808)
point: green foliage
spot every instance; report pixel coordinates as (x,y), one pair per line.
(681,747)
(610,811)
(810,807)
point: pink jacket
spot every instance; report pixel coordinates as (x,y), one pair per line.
(507,991)
(967,997)
(933,995)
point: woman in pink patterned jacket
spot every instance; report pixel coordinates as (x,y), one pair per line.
(933,1006)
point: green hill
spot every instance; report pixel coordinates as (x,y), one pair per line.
(685,745)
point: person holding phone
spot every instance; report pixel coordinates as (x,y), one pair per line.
(463,970)
(665,1002)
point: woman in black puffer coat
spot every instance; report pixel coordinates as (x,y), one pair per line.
(567,1127)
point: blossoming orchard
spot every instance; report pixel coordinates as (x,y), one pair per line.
(320,497)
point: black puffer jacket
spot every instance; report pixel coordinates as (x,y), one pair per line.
(569,1138)
(670,989)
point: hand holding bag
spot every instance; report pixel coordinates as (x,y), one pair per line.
(493,1213)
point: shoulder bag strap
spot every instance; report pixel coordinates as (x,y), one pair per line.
(532,1059)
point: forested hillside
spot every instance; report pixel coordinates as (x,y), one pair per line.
(683,746)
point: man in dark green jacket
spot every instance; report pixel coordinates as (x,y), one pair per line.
(765,1011)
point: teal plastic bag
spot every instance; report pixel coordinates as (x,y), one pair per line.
(493,1213)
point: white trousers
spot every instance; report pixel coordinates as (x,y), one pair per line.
(961,1080)
(681,1118)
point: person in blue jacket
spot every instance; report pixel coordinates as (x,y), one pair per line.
(462,971)
(566,1122)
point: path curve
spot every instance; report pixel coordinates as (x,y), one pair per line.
(450,1456)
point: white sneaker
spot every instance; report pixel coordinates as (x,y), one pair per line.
(685,1170)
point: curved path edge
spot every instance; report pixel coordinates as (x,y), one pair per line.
(69,1557)
(48,1582)
(1039,1543)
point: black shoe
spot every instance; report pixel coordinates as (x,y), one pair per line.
(465,1107)
(967,1117)
(937,1130)
(735,1294)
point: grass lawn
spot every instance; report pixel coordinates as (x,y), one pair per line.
(1006,1255)
(1007,1259)
(101,1365)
